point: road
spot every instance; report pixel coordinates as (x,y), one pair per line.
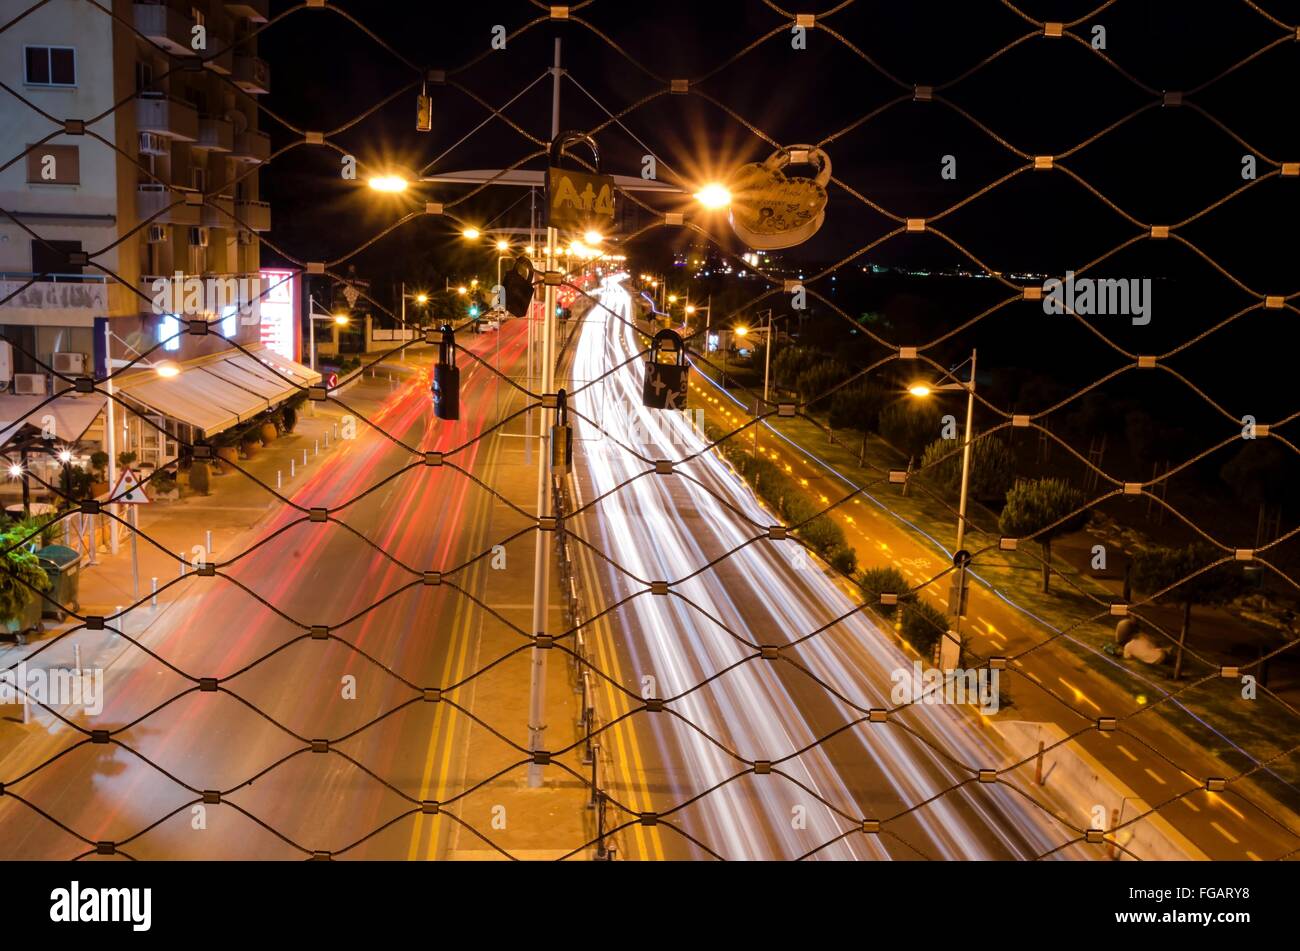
(724,708)
(281,689)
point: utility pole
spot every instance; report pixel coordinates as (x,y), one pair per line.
(110,433)
(541,563)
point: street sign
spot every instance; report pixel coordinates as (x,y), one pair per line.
(331,380)
(134,495)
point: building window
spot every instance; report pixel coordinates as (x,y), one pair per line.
(51,66)
(230,321)
(53,165)
(169,329)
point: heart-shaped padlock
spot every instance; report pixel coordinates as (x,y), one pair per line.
(771,210)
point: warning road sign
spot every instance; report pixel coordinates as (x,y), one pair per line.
(128,490)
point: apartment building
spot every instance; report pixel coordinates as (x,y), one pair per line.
(178,146)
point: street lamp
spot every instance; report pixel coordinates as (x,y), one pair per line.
(340,320)
(388,183)
(713,196)
(471,234)
(957,593)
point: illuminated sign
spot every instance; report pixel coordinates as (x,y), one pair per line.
(279,313)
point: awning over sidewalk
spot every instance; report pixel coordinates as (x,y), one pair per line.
(71,414)
(217,394)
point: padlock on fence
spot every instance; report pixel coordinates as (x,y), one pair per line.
(561,437)
(446,378)
(665,383)
(518,282)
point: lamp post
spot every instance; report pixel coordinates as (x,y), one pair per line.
(340,320)
(957,593)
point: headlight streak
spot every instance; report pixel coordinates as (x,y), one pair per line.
(750,708)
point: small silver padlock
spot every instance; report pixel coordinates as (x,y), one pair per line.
(561,437)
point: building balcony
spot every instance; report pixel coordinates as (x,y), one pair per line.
(255,10)
(252,147)
(218,210)
(164,26)
(169,117)
(256,215)
(222,54)
(70,299)
(215,134)
(152,198)
(253,75)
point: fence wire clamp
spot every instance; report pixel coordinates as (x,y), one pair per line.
(74,126)
(988,775)
(318,515)
(1132,488)
(769,652)
(1119,609)
(997,663)
(888,598)
(907,353)
(541,758)
(663,467)
(432,208)
(318,632)
(1094,836)
(648,818)
(1244,554)
(99,736)
(83,384)
(544,642)
(870,826)
(659,587)
(785,409)
(90,506)
(320,746)
(1053,29)
(805,20)
(922,93)
(1044,163)
(877,715)
(1107,724)
(1230,673)
(550,400)
(1146,363)
(1274,302)
(1031,293)
(198,328)
(432,694)
(1290,169)
(679,87)
(674,218)
(314,138)
(762,767)
(1008,544)
(436,76)
(915,224)
(79,258)
(1215,784)
(548,523)
(654,705)
(95,622)
(433,458)
(552,278)
(778,533)
(320,855)
(433,577)
(206,570)
(1262,430)
(559,13)
(105,848)
(1159,232)
(211,797)
(202,451)
(429,807)
(317,393)
(1020,421)
(315,267)
(207,684)
(897,476)
(1173,99)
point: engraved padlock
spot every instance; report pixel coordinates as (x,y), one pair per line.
(561,437)
(665,383)
(446,378)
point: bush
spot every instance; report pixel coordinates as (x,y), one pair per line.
(21,566)
(124,459)
(909,426)
(923,626)
(99,461)
(877,581)
(813,383)
(992,467)
(857,407)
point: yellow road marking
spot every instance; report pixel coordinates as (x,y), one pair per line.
(1225,833)
(1124,749)
(1155,776)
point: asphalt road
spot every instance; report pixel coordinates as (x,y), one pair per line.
(725,709)
(280,689)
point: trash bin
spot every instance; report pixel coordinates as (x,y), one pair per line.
(63,566)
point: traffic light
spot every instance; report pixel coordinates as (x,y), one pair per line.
(473,310)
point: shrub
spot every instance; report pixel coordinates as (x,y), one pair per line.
(909,426)
(21,566)
(877,581)
(923,626)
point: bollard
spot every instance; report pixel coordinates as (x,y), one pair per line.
(181,556)
(292,470)
(153,598)
(208,540)
(76,658)
(304,458)
(327,439)
(278,481)
(316,447)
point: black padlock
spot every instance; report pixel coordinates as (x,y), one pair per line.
(446,378)
(518,282)
(665,383)
(561,437)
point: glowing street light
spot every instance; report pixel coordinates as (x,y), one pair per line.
(422,298)
(342,319)
(714,195)
(530,250)
(471,234)
(65,456)
(388,183)
(593,237)
(919,389)
(15,471)
(462,290)
(739,331)
(503,245)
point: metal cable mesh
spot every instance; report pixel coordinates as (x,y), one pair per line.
(566,524)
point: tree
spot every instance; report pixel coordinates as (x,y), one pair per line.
(857,406)
(909,426)
(1034,505)
(1260,473)
(1159,567)
(992,466)
(813,383)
